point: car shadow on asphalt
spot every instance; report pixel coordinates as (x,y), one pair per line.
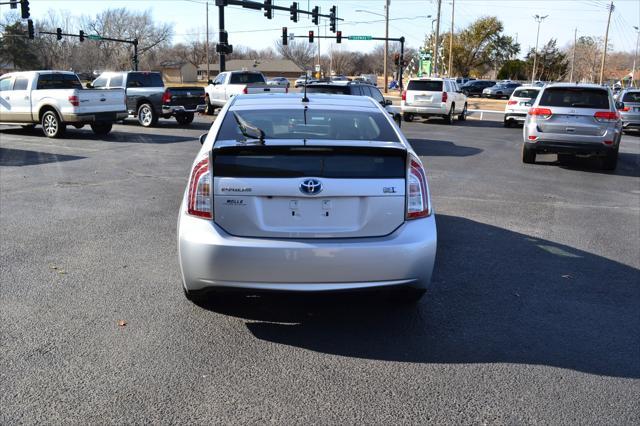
(172,124)
(21,157)
(498,297)
(440,148)
(628,164)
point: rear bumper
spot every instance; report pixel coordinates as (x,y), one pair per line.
(517,116)
(108,117)
(175,109)
(423,110)
(209,257)
(563,147)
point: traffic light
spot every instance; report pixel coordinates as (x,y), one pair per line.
(81,36)
(24,9)
(310,36)
(268,12)
(293,11)
(30,30)
(285,37)
(314,15)
(396,59)
(332,19)
(13,4)
(339,37)
(59,33)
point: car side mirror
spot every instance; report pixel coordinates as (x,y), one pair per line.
(619,105)
(203,137)
(388,102)
(210,82)
(89,86)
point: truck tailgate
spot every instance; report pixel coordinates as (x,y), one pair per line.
(100,100)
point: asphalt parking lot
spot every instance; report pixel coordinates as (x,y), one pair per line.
(534,316)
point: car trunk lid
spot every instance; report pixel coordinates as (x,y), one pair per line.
(309,191)
(424,93)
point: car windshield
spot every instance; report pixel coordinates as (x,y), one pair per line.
(575,97)
(425,85)
(526,93)
(310,124)
(246,78)
(631,97)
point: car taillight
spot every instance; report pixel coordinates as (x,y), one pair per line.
(404,95)
(417,196)
(199,197)
(606,116)
(166,97)
(512,102)
(540,112)
(625,109)
(445,96)
(74,100)
(245,90)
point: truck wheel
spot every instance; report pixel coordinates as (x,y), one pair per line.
(528,154)
(610,161)
(101,129)
(51,125)
(209,108)
(463,115)
(184,118)
(408,117)
(147,117)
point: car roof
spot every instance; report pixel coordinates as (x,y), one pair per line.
(573,85)
(294,100)
(429,79)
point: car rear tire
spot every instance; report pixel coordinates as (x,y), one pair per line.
(209,109)
(147,116)
(408,117)
(506,123)
(463,114)
(52,126)
(528,154)
(101,129)
(448,119)
(610,160)
(184,119)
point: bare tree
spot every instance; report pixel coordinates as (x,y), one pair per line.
(300,53)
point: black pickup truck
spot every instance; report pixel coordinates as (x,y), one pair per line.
(148,99)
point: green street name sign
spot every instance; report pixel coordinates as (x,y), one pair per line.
(359,38)
(94,37)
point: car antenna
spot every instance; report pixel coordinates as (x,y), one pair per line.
(304,97)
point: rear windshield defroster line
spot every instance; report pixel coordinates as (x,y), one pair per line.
(292,162)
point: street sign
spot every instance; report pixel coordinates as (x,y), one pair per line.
(317,68)
(94,37)
(359,38)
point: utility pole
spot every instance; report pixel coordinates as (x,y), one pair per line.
(386,46)
(538,19)
(207,43)
(606,41)
(435,50)
(635,57)
(453,8)
(573,55)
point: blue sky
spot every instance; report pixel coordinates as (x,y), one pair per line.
(408,18)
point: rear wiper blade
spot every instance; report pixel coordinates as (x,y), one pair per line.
(251,132)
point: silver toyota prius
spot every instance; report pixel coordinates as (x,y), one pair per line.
(309,194)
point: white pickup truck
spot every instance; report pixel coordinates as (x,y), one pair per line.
(55,99)
(230,83)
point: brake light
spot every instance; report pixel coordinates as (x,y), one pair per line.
(245,90)
(74,100)
(404,95)
(606,116)
(625,109)
(417,195)
(532,138)
(445,96)
(166,97)
(199,197)
(540,112)
(512,102)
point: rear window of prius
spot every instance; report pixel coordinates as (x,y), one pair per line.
(575,97)
(631,97)
(312,124)
(425,85)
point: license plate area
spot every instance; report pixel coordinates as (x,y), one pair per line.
(341,213)
(423,98)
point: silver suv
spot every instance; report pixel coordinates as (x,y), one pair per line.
(573,119)
(629,108)
(313,196)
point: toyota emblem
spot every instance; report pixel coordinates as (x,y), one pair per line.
(311,186)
